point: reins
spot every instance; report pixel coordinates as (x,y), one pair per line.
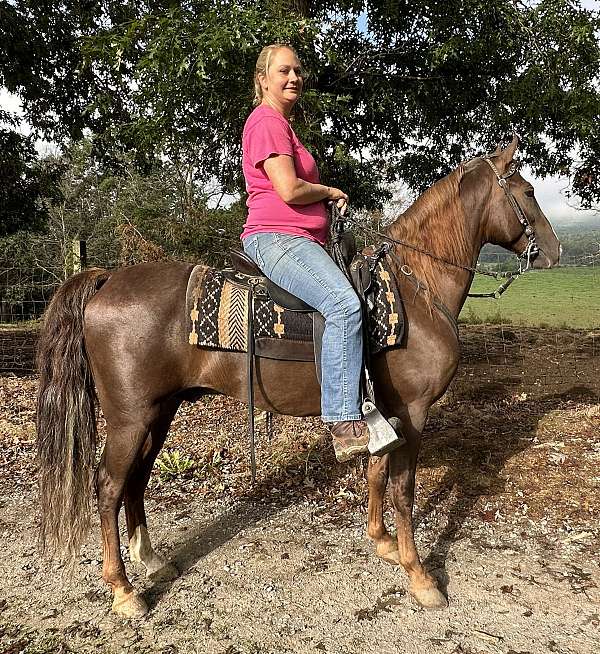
(530,252)
(508,276)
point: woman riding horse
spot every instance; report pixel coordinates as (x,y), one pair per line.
(123,334)
(285,233)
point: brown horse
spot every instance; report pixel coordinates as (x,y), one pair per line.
(125,333)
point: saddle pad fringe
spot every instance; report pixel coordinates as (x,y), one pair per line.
(192,299)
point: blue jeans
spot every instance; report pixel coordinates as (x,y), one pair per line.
(304,268)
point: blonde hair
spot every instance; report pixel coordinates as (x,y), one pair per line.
(262,66)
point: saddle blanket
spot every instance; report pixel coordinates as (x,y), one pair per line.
(217,306)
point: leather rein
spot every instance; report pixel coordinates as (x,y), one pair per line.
(525,258)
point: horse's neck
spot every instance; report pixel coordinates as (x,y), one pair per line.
(446,234)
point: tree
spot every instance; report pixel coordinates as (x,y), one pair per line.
(23,184)
(422,87)
(124,218)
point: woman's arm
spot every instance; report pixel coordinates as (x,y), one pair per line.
(293,190)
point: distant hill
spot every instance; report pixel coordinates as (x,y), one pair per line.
(581,221)
(580,240)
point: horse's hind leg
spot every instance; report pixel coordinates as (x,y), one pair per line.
(122,447)
(377,477)
(140,547)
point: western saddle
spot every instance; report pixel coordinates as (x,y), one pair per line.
(358,267)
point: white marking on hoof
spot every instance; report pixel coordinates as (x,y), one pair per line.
(129,605)
(429,597)
(140,547)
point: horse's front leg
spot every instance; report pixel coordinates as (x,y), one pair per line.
(403,464)
(377,478)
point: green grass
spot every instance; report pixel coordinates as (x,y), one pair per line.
(561,297)
(26,324)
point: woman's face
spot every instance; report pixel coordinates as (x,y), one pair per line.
(282,85)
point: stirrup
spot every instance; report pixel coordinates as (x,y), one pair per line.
(383,437)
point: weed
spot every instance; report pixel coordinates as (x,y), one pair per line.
(172,464)
(497,319)
(469,317)
(211,465)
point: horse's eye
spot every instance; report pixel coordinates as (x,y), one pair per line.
(529,192)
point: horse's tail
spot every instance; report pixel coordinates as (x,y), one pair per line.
(66,418)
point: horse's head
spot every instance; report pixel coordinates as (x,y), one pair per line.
(511,216)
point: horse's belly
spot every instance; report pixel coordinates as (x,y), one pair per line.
(285,387)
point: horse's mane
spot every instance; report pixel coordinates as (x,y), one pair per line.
(435,222)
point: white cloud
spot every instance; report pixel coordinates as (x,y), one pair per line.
(550,193)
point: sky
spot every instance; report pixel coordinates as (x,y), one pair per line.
(550,191)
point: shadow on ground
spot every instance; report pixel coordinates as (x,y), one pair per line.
(475,465)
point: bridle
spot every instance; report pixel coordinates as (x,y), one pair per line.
(532,249)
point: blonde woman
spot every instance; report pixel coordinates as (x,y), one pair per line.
(286,230)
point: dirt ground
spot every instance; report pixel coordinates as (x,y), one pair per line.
(507,515)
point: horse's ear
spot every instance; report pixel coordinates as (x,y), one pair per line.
(507,155)
(497,151)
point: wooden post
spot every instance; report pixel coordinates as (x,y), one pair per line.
(79,255)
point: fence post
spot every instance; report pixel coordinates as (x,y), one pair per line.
(79,255)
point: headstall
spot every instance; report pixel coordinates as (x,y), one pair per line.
(532,249)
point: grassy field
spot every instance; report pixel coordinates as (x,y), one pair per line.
(562,297)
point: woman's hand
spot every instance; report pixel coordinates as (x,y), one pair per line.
(339,197)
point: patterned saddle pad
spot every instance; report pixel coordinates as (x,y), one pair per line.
(217,307)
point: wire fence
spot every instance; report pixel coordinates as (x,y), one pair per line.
(492,259)
(498,335)
(531,361)
(24,293)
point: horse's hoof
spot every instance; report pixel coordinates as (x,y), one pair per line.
(429,598)
(164,572)
(129,605)
(388,552)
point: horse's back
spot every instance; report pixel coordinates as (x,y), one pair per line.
(143,286)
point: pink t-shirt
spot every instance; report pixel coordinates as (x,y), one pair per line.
(267,132)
